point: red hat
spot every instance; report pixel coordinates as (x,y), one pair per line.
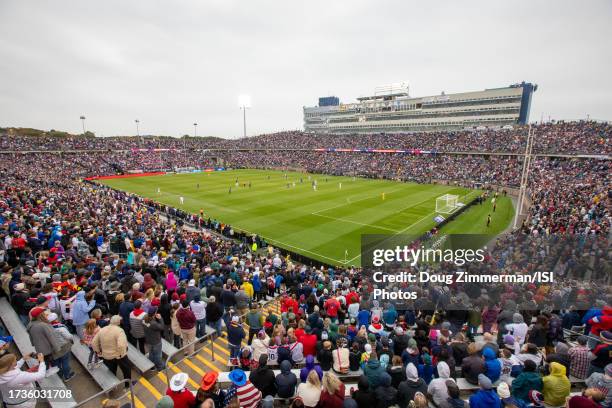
(175,296)
(375,319)
(155,302)
(209,379)
(37,311)
(183,297)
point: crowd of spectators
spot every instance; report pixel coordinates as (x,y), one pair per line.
(583,137)
(77,257)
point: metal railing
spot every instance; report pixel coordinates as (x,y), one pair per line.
(200,341)
(110,389)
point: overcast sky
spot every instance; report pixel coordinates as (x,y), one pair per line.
(172,63)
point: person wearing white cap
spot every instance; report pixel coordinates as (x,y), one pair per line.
(192,290)
(19,301)
(182,397)
(235,335)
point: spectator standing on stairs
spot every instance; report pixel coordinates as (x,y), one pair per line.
(187,322)
(80,311)
(154,328)
(111,344)
(42,336)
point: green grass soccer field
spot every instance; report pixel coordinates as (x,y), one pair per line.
(325,224)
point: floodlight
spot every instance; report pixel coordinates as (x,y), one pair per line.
(244,101)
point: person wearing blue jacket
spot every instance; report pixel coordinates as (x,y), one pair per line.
(80,312)
(485,397)
(492,363)
(363,318)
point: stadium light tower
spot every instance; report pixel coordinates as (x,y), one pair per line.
(83,122)
(244,102)
(195,129)
(137,129)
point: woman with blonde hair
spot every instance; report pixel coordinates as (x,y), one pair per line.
(148,298)
(174,325)
(420,401)
(310,391)
(13,377)
(332,395)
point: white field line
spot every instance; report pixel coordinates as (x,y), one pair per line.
(405,229)
(354,222)
(351,202)
(294,247)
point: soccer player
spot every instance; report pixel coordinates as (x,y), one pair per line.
(198,186)
(339,186)
(488,220)
(230,190)
(182,200)
(383,196)
(158,190)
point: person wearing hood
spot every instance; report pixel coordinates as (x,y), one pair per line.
(80,312)
(263,377)
(518,328)
(408,388)
(12,377)
(170,281)
(385,394)
(437,387)
(310,365)
(556,386)
(492,363)
(485,397)
(527,380)
(373,370)
(286,381)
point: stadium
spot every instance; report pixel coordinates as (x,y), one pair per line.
(397,251)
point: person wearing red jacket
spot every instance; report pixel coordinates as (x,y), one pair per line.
(601,323)
(352,297)
(187,321)
(331,308)
(309,343)
(182,397)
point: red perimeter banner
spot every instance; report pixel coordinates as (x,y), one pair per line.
(155,173)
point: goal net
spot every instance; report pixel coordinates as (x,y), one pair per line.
(447,203)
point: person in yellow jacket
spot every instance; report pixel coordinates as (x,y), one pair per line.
(556,385)
(247,286)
